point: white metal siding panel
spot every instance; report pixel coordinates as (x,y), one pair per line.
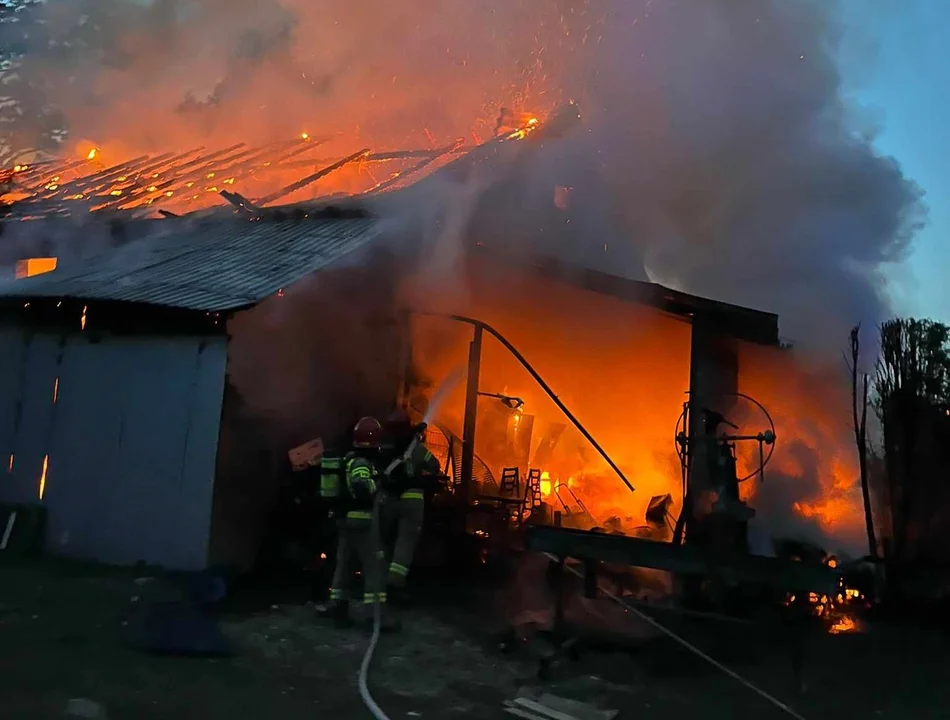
(35,414)
(132,458)
(12,367)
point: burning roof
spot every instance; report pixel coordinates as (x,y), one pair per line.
(175,182)
(213,260)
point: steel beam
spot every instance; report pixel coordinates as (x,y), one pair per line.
(779,574)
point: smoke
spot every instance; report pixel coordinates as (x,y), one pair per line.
(717,153)
(719,134)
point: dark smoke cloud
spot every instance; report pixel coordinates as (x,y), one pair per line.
(732,161)
(716,150)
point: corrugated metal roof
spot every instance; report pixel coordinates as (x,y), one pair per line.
(216,267)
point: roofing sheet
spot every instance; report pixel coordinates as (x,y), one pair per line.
(214,267)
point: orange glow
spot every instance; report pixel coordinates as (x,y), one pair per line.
(42,490)
(254,171)
(10,463)
(623,370)
(844,624)
(815,464)
(620,368)
(545,484)
(82,318)
(55,390)
(341,80)
(35,266)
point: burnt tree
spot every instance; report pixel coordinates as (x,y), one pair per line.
(912,393)
(859,417)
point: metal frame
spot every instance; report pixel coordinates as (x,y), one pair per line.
(592,547)
(472,393)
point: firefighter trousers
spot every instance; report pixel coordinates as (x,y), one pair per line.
(355,537)
(406,513)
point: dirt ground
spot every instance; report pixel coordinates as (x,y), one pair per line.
(62,637)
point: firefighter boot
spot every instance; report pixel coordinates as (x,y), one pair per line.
(337,611)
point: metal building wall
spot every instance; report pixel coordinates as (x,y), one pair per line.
(129,428)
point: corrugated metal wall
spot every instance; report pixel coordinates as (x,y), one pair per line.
(129,430)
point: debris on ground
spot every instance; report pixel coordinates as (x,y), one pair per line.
(552,707)
(83,708)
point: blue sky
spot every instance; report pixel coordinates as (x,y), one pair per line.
(896,56)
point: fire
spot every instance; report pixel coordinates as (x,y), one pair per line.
(82,318)
(280,171)
(815,464)
(620,368)
(545,484)
(844,624)
(836,610)
(623,370)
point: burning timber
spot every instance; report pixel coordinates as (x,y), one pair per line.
(172,183)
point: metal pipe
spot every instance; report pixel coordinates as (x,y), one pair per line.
(471,411)
(544,386)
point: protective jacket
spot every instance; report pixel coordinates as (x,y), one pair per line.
(360,477)
(407,473)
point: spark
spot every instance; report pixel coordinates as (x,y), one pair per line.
(43,476)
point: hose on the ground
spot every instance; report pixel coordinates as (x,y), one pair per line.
(365,694)
(692,648)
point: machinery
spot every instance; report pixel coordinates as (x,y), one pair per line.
(719,518)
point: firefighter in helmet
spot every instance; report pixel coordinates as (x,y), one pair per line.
(407,461)
(354,478)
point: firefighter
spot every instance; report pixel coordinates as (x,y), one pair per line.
(408,459)
(355,478)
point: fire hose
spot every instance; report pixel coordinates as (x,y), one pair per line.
(367,698)
(363,682)
(692,648)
